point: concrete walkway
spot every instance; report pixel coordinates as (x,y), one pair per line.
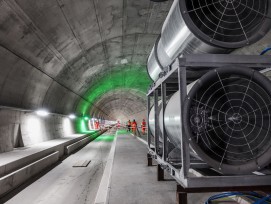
(132,181)
(67,184)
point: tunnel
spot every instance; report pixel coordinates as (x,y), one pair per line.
(72,73)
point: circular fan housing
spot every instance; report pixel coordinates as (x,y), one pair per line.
(227,119)
(227,23)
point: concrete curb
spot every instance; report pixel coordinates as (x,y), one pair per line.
(18,177)
(104,188)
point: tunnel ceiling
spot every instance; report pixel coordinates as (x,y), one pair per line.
(113,102)
(83,55)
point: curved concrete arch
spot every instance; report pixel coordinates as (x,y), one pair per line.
(64,44)
(67,56)
(128,100)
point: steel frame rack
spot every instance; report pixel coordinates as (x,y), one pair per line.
(176,78)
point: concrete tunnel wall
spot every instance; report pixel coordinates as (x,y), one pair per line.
(84,57)
(20,129)
(55,54)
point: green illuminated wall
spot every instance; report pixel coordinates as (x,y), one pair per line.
(82,126)
(126,76)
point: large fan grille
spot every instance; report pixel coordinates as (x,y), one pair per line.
(230,119)
(229,21)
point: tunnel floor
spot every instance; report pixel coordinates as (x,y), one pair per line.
(67,184)
(132,182)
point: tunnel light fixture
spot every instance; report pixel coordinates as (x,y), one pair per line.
(42,112)
(72,116)
(124,61)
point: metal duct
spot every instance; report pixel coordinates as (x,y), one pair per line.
(172,118)
(152,117)
(196,26)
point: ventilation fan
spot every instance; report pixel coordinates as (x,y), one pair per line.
(227,119)
(225,23)
(208,26)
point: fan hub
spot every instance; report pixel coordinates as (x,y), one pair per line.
(236,118)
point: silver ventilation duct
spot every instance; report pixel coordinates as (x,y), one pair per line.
(227,119)
(196,26)
(171,119)
(152,117)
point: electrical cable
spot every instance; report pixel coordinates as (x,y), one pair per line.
(264,200)
(265,50)
(222,195)
(257,198)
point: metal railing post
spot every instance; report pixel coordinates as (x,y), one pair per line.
(156,132)
(164,135)
(148,111)
(184,143)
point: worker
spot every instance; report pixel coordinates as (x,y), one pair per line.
(129,126)
(134,125)
(97,124)
(118,124)
(143,126)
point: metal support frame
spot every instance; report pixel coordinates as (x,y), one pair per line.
(148,130)
(181,197)
(164,135)
(160,173)
(184,143)
(157,131)
(179,76)
(149,159)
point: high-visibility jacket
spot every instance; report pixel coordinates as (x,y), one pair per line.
(134,124)
(96,124)
(143,124)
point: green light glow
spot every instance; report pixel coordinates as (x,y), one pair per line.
(82,126)
(93,135)
(122,132)
(135,78)
(127,77)
(105,138)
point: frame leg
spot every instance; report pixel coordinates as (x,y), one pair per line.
(160,173)
(149,158)
(181,195)
(181,198)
